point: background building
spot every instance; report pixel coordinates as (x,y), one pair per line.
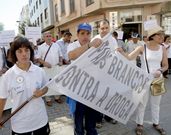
(128,15)
(41,14)
(24,19)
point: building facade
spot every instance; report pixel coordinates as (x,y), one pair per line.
(23,19)
(166,17)
(127,15)
(41,14)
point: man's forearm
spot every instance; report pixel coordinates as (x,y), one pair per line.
(77,52)
(2,105)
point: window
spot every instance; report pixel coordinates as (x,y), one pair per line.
(167,23)
(46,13)
(39,2)
(62,7)
(56,13)
(38,21)
(31,12)
(36,4)
(35,23)
(34,9)
(131,15)
(41,17)
(29,2)
(89,2)
(72,6)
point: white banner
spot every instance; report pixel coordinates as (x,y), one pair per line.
(50,74)
(105,82)
(6,37)
(33,33)
(150,24)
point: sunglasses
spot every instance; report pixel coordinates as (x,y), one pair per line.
(160,34)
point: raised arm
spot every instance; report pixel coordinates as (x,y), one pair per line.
(133,55)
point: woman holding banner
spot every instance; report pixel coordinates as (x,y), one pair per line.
(157,62)
(21,82)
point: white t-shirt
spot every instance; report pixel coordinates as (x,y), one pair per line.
(73,46)
(53,54)
(113,43)
(169,52)
(168,47)
(20,85)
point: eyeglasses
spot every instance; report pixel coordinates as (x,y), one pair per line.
(48,36)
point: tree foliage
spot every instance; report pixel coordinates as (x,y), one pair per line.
(22,26)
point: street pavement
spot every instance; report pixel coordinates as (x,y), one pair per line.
(62,124)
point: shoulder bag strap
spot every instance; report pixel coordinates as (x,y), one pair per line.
(47,52)
(145,57)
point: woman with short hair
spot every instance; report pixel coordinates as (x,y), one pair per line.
(20,82)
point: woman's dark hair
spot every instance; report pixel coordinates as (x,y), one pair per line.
(115,34)
(21,42)
(165,37)
(67,33)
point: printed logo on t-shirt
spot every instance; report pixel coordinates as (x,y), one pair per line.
(20,79)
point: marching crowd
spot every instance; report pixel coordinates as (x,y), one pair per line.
(22,76)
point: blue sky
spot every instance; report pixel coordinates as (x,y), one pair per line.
(10,12)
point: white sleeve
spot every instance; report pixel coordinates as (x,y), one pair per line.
(39,52)
(115,43)
(112,43)
(59,50)
(70,47)
(4,87)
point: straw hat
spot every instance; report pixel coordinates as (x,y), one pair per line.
(154,30)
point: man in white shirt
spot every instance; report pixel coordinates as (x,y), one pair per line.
(49,54)
(81,111)
(135,42)
(104,29)
(63,44)
(132,44)
(119,41)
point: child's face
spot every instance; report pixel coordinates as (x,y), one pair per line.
(23,55)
